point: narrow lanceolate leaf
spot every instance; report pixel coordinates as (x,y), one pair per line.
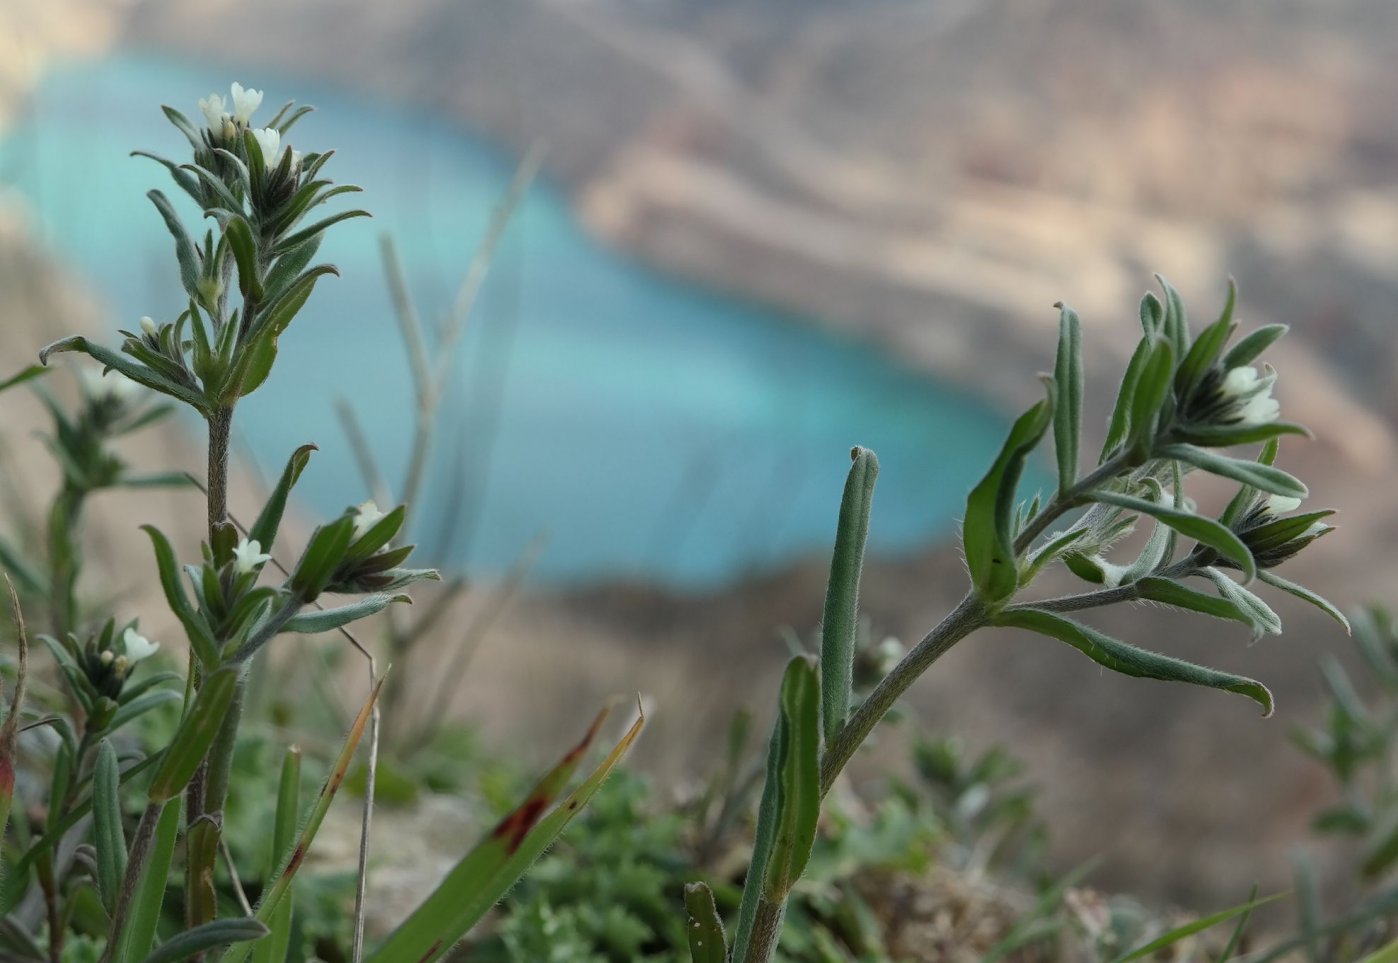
(208,937)
(185,252)
(1176,322)
(272,899)
(200,639)
(1197,926)
(489,871)
(9,730)
(707,942)
(106,825)
(264,530)
(1120,425)
(324,620)
(1250,347)
(194,736)
(798,801)
(28,374)
(1152,314)
(839,626)
(274,948)
(987,534)
(1203,530)
(138,936)
(1263,618)
(1306,595)
(1067,414)
(1130,660)
(1259,476)
(137,372)
(1169,592)
(763,840)
(1152,392)
(1207,347)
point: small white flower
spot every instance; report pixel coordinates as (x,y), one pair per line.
(1256,406)
(366,517)
(212,106)
(249,556)
(138,647)
(245,102)
(148,327)
(270,140)
(107,657)
(1315,528)
(1281,504)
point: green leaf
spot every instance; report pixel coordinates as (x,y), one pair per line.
(139,373)
(1250,348)
(1388,953)
(191,270)
(194,736)
(1120,425)
(28,374)
(1198,926)
(275,895)
(1260,476)
(1305,594)
(798,798)
(987,535)
(707,942)
(316,229)
(498,861)
(200,638)
(1152,315)
(1203,530)
(1067,415)
(290,265)
(324,620)
(190,132)
(840,623)
(275,947)
(138,935)
(135,708)
(240,239)
(106,826)
(264,530)
(1152,392)
(322,556)
(207,937)
(1130,660)
(1207,347)
(1259,612)
(1169,592)
(1226,436)
(1176,323)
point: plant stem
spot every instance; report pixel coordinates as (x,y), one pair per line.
(220,430)
(766,930)
(968,616)
(1066,501)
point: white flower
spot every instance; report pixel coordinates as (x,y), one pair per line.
(1255,404)
(148,327)
(366,517)
(212,106)
(245,102)
(138,647)
(249,556)
(1281,504)
(270,140)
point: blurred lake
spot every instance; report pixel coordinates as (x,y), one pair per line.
(643,427)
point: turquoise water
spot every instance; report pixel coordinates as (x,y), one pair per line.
(643,426)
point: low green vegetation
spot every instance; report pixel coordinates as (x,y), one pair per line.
(164,813)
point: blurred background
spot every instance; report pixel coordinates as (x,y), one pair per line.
(763,233)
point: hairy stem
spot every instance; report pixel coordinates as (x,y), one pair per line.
(136,862)
(1063,502)
(968,616)
(766,930)
(220,430)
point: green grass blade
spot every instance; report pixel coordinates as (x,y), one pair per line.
(209,936)
(488,872)
(839,626)
(1198,926)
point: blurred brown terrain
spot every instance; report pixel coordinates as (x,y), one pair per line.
(934,176)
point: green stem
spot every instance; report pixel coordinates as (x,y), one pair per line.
(220,431)
(968,616)
(1074,497)
(140,851)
